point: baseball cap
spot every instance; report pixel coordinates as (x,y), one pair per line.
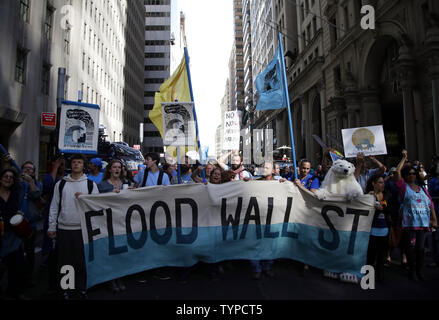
(97,162)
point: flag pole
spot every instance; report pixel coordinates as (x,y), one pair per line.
(186,56)
(287,98)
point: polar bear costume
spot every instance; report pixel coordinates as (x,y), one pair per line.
(340,180)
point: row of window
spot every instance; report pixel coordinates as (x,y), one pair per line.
(158,14)
(157,55)
(157,28)
(156,42)
(157,68)
(157,2)
(154,80)
(21,71)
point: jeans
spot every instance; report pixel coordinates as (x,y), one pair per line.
(376,253)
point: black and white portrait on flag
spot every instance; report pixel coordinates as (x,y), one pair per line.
(178,124)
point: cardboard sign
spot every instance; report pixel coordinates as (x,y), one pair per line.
(231,131)
(368,140)
(79,128)
(178,124)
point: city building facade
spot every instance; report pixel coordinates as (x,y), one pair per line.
(99,45)
(343,76)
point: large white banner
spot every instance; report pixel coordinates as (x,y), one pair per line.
(78,128)
(232,133)
(368,140)
(180,225)
(178,124)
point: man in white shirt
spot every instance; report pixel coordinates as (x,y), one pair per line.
(65,223)
(237,167)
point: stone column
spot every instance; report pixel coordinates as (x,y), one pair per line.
(306,122)
(406,74)
(433,67)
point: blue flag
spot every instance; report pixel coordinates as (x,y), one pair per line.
(270,86)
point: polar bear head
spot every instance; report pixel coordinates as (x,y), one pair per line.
(342,168)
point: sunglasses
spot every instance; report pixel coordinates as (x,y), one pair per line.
(411,174)
(8,177)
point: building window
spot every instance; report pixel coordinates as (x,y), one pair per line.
(67,41)
(346,17)
(24,10)
(20,66)
(45,79)
(48,23)
(333,30)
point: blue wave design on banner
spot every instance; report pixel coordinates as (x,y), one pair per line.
(347,250)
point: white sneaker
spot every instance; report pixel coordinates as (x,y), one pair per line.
(349,277)
(330,274)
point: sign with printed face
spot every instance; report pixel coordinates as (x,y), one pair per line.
(48,119)
(178,124)
(232,129)
(368,140)
(79,128)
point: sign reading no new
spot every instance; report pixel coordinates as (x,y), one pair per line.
(231,131)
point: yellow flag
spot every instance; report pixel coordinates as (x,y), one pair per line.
(175,88)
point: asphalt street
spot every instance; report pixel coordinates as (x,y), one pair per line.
(237,284)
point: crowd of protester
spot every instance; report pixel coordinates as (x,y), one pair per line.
(407,199)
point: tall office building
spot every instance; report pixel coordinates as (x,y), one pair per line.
(238,68)
(99,43)
(162,32)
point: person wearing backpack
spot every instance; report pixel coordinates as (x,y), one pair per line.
(152,175)
(65,223)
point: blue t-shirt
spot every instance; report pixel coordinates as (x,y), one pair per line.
(315,184)
(433,190)
(152,179)
(97,179)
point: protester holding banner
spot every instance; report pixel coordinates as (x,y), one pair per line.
(237,166)
(379,232)
(266,266)
(65,224)
(112,182)
(417,216)
(306,179)
(11,250)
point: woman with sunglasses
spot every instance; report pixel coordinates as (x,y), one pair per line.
(417,215)
(11,249)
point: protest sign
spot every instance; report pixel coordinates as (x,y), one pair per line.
(178,124)
(180,225)
(79,128)
(368,140)
(232,132)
